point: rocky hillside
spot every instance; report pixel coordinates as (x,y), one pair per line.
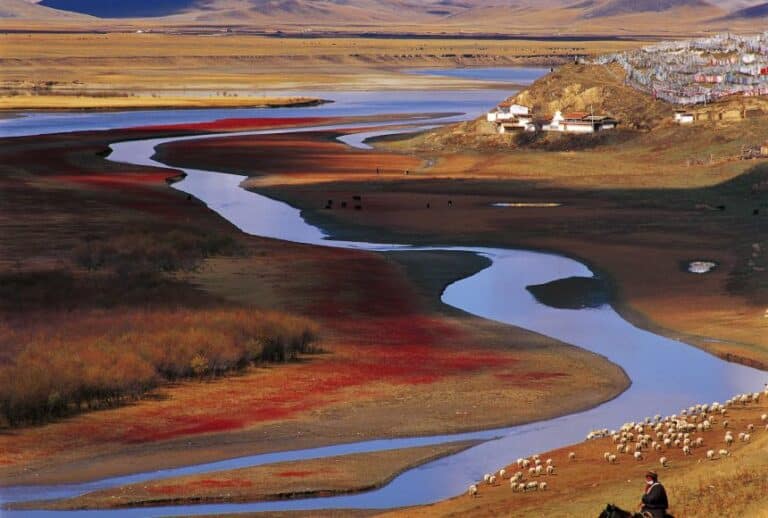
(590,88)
(593,88)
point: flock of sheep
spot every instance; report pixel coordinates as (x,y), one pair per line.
(683,431)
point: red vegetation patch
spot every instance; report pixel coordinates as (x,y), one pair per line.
(241,124)
(295,473)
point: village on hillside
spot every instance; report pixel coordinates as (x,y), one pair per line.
(684,73)
(698,71)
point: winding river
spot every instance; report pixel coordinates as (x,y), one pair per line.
(666,375)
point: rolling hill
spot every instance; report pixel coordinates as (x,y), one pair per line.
(615,17)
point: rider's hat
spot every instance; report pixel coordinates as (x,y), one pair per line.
(652,474)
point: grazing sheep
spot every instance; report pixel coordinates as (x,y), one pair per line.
(699,442)
(539,470)
(502,472)
(638,455)
(473,490)
(519,463)
(606,455)
(487,478)
(747,437)
(750,428)
(572,456)
(741,436)
(657,447)
(663,462)
(724,453)
(550,470)
(521,486)
(725,423)
(612,459)
(532,471)
(549,462)
(710,454)
(492,480)
(533,486)
(686,450)
(542,486)
(526,463)
(728,439)
(537,462)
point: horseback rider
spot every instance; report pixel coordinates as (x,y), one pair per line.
(654,501)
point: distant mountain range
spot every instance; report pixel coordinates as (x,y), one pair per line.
(562,16)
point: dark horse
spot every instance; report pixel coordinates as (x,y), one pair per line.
(611,511)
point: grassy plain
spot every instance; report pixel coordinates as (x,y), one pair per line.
(91,70)
(636,211)
(736,485)
(392,351)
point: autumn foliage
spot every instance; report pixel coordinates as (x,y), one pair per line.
(96,359)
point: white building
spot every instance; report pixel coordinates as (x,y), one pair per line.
(684,117)
(507,111)
(580,122)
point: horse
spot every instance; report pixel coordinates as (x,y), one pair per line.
(612,511)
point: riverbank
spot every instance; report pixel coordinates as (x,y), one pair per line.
(392,350)
(286,480)
(257,65)
(617,214)
(735,485)
(85,102)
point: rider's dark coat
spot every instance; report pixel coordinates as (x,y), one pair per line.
(655,500)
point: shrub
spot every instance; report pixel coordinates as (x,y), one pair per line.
(75,361)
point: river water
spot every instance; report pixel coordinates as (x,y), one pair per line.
(666,375)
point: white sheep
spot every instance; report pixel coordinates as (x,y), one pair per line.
(663,462)
(612,459)
(533,486)
(539,470)
(492,480)
(502,472)
(550,470)
(710,454)
(542,486)
(487,478)
(686,450)
(638,455)
(572,456)
(549,462)
(747,437)
(473,490)
(728,439)
(521,486)
(750,428)
(607,454)
(724,453)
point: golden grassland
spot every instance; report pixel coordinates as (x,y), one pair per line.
(120,69)
(736,485)
(298,479)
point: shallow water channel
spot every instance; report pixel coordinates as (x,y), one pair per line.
(666,375)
